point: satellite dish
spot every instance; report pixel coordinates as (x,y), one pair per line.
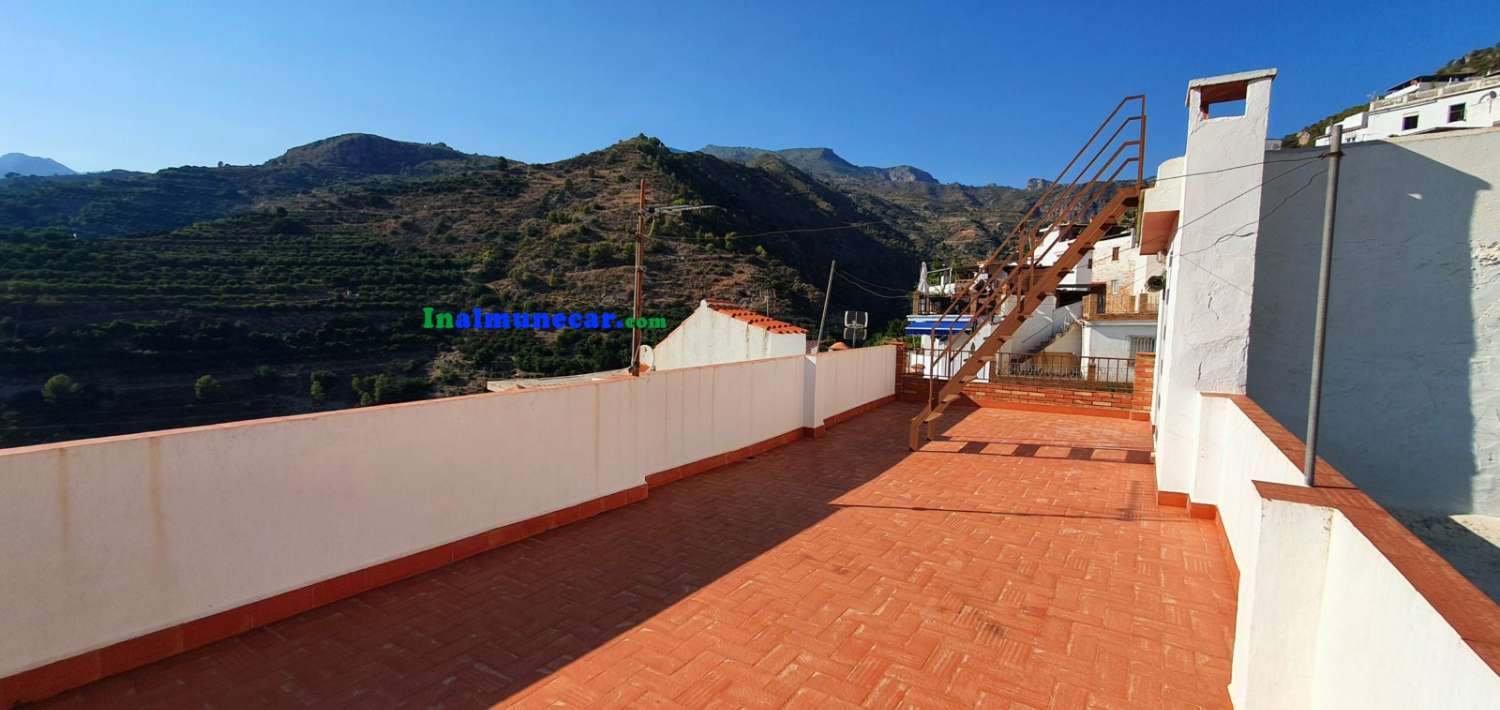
(1156,283)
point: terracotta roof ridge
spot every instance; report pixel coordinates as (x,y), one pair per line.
(758,320)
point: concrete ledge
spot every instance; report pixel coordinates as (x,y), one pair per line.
(1465,608)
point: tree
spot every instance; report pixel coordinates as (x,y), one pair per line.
(207,389)
(62,392)
(316,392)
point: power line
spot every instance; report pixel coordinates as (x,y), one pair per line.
(903,291)
(857,285)
(737,237)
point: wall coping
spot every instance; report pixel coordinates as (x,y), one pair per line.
(1469,611)
(349,411)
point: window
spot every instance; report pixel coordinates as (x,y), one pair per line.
(1408,122)
(1142,344)
(1455,113)
(1116,255)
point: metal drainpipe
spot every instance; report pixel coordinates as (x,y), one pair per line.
(1320,322)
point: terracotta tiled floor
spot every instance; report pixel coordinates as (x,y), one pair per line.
(1022,563)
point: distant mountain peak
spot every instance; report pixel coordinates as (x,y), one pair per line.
(364,152)
(822,163)
(23,164)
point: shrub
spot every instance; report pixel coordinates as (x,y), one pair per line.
(207,389)
(62,392)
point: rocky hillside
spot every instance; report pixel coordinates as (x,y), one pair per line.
(822,163)
(952,222)
(315,265)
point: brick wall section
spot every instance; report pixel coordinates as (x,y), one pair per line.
(1025,395)
(1132,404)
(1145,381)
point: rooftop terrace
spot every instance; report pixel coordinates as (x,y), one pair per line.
(1022,562)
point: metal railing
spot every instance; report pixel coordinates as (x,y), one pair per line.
(1449,89)
(1064,370)
(1068,199)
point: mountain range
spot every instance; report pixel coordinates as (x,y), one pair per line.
(319,261)
(822,163)
(23,164)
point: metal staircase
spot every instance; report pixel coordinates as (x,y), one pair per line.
(1016,278)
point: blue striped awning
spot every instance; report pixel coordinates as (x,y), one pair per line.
(941,326)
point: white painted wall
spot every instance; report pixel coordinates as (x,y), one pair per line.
(1040,324)
(1114,263)
(708,337)
(1323,620)
(1430,105)
(1206,308)
(104,540)
(1411,408)
(1110,338)
(845,379)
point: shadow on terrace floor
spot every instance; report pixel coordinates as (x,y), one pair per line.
(844,568)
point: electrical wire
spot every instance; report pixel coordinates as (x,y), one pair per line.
(857,285)
(894,289)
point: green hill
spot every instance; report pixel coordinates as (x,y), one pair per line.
(319,261)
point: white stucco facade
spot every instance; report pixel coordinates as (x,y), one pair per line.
(1112,263)
(1113,338)
(711,337)
(1411,395)
(104,540)
(1322,617)
(1424,107)
(1204,328)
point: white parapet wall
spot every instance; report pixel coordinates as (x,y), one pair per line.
(105,540)
(843,380)
(1411,377)
(1324,618)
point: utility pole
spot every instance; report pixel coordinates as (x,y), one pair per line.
(1320,320)
(826,292)
(640,269)
(644,213)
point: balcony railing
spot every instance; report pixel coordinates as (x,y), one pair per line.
(1457,87)
(1047,369)
(1120,304)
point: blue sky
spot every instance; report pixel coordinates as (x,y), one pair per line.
(973,92)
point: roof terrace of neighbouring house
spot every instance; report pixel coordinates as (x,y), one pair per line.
(556,545)
(755,526)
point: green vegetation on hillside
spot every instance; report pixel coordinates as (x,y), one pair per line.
(297,285)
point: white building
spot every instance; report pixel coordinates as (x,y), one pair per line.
(719,332)
(1426,104)
(1411,382)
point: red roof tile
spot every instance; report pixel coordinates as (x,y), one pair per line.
(756,319)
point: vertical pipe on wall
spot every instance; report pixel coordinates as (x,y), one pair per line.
(1320,321)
